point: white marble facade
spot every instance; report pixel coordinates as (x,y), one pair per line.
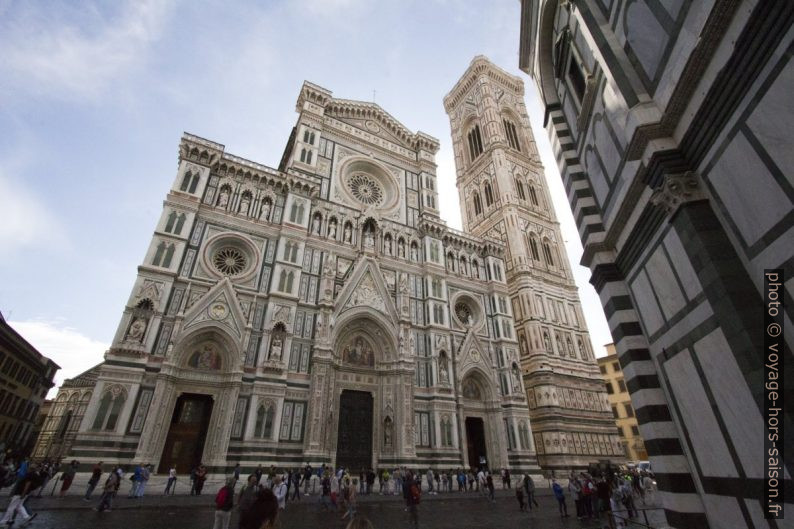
(269,293)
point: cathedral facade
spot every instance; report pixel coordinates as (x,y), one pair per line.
(316,312)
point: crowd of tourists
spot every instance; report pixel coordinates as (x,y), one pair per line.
(265,492)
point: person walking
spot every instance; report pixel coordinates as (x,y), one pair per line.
(263,513)
(325,497)
(507,477)
(109,491)
(575,490)
(430,477)
(248,494)
(96,473)
(136,481)
(559,494)
(296,482)
(170,486)
(19,494)
(280,490)
(307,478)
(67,477)
(350,498)
(520,497)
(490,487)
(201,477)
(412,493)
(145,475)
(224,502)
(529,488)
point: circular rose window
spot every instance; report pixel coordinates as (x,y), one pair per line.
(365,189)
(229,261)
(463,312)
(467,311)
(369,184)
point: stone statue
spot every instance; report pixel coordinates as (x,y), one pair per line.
(265,213)
(332,229)
(387,432)
(387,246)
(223,199)
(476,270)
(137,329)
(369,238)
(443,369)
(275,349)
(547,341)
(347,233)
(245,203)
(401,249)
(316,225)
(516,382)
(414,253)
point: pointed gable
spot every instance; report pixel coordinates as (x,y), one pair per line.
(366,288)
(219,306)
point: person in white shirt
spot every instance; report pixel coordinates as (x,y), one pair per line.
(171,481)
(280,490)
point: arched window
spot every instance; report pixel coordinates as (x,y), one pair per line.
(158,254)
(306,136)
(287,251)
(311,140)
(547,254)
(185,181)
(512,135)
(264,421)
(477,204)
(194,183)
(169,225)
(523,435)
(303,155)
(533,196)
(63,426)
(309,157)
(109,409)
(475,143)
(180,222)
(296,212)
(290,278)
(520,190)
(282,280)
(446,431)
(169,254)
(488,195)
(533,246)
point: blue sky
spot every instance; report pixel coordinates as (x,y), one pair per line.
(95,96)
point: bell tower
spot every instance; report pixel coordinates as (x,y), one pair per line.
(504,196)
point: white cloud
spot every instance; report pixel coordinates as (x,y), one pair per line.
(65,346)
(46,54)
(27,222)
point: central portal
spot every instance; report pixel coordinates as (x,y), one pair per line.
(185,442)
(354,440)
(475,439)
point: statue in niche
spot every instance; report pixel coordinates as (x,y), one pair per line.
(265,214)
(414,253)
(223,200)
(369,237)
(137,328)
(547,341)
(387,431)
(332,229)
(348,233)
(245,203)
(570,347)
(581,347)
(316,225)
(387,246)
(275,349)
(475,270)
(516,380)
(318,325)
(443,369)
(401,249)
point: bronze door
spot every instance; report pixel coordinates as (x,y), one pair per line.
(475,441)
(354,440)
(185,442)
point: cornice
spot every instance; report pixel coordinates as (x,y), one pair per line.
(480,66)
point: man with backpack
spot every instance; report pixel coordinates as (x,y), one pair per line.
(224,502)
(23,487)
(412,492)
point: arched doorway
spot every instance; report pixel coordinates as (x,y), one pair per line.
(473,395)
(354,441)
(187,432)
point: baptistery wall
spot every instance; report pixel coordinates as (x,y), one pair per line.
(320,312)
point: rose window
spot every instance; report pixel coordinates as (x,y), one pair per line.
(463,312)
(229,261)
(365,189)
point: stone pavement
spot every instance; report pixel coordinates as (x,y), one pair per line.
(442,511)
